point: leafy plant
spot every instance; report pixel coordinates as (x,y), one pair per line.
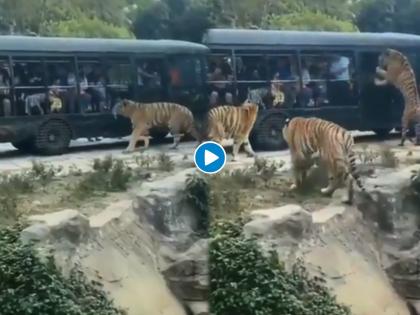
(197,195)
(367,156)
(243,280)
(388,158)
(108,175)
(30,285)
(42,172)
(165,163)
(144,161)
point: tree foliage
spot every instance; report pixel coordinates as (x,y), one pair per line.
(307,21)
(179,19)
(86,27)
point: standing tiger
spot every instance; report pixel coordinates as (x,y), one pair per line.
(395,68)
(226,122)
(307,137)
(144,116)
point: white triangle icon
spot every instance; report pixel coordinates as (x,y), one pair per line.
(209,157)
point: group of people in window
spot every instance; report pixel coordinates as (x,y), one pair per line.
(325,79)
(39,92)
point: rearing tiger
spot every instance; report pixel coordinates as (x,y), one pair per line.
(309,136)
(226,122)
(395,68)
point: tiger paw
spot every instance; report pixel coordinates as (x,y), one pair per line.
(293,187)
(326,191)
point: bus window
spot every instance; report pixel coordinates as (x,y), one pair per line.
(91,76)
(150,79)
(284,80)
(314,68)
(220,76)
(341,83)
(119,77)
(61,78)
(5,83)
(30,89)
(185,72)
(251,74)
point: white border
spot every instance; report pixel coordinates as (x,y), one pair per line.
(195,160)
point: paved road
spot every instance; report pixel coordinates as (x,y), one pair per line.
(82,151)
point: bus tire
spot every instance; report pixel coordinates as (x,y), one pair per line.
(53,138)
(382,133)
(158,133)
(25,146)
(268,134)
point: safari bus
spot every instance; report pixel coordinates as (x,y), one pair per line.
(324,74)
(53,90)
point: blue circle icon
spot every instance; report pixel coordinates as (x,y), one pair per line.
(210,157)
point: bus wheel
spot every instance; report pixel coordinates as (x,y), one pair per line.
(268,135)
(382,133)
(158,133)
(53,138)
(25,146)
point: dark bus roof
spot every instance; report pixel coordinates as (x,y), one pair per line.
(9,43)
(249,38)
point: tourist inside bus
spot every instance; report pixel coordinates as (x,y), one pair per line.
(219,87)
(340,79)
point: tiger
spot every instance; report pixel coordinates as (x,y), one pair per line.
(312,138)
(394,68)
(144,116)
(226,122)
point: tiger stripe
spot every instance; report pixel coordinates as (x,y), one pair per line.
(226,122)
(308,136)
(395,68)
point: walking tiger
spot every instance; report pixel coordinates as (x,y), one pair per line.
(226,122)
(144,116)
(334,144)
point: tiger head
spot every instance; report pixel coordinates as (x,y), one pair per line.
(124,108)
(392,60)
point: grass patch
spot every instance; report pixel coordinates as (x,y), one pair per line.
(388,157)
(108,175)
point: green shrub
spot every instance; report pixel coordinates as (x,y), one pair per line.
(108,175)
(43,173)
(165,163)
(30,286)
(245,281)
(197,196)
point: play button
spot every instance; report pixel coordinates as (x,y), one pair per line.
(210,157)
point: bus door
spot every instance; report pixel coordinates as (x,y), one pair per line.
(329,88)
(381,106)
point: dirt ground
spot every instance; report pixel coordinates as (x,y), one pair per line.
(57,193)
